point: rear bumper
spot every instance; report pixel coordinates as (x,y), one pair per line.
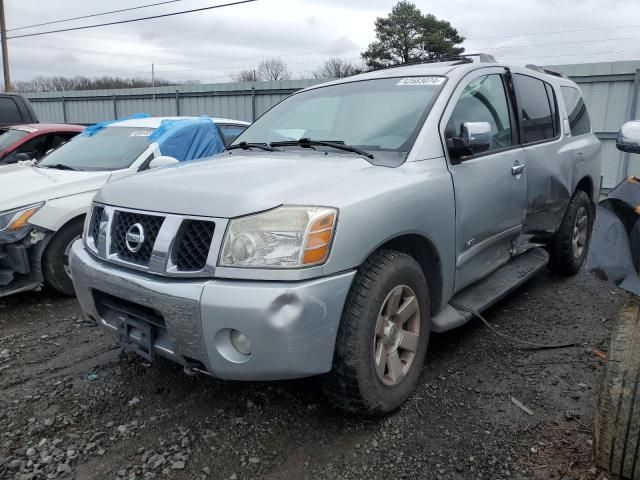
(292,326)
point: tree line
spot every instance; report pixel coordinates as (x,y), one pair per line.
(404,36)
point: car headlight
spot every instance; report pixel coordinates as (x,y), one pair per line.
(287,237)
(18,218)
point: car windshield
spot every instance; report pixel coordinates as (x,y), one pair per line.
(112,148)
(10,136)
(381,116)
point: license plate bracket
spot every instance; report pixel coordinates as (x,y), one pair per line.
(135,334)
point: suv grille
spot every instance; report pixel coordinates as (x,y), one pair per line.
(192,245)
(122,222)
(94,228)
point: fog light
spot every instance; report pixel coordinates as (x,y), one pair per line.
(240,342)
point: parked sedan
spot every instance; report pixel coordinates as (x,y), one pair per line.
(33,141)
(42,206)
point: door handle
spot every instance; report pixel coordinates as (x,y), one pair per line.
(518,169)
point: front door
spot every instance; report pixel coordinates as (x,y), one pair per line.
(490,186)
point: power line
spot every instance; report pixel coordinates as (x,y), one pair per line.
(551,33)
(239,2)
(557,43)
(93,15)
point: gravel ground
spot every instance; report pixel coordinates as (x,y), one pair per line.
(73,406)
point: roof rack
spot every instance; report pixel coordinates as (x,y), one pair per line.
(478,58)
(548,71)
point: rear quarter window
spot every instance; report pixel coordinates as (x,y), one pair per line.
(9,112)
(579,120)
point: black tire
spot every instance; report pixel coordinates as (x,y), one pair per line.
(564,260)
(353,384)
(55,259)
(617,426)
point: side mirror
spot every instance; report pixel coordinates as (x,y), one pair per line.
(475,137)
(162,161)
(629,137)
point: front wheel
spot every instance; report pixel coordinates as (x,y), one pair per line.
(55,262)
(569,247)
(383,336)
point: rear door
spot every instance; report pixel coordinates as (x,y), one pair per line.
(490,186)
(549,165)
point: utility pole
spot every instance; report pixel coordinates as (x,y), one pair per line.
(153,89)
(5,53)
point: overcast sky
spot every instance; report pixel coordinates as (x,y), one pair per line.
(212,45)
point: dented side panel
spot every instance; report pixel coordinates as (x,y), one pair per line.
(554,170)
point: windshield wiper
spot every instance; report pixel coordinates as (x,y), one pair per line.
(60,166)
(249,146)
(308,143)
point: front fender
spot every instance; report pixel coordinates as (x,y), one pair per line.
(57,213)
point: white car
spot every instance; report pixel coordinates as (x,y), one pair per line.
(43,206)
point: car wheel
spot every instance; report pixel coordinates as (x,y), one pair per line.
(617,426)
(383,336)
(55,263)
(569,247)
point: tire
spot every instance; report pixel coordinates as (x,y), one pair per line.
(566,256)
(56,258)
(617,426)
(388,278)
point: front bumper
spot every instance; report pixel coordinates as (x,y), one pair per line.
(21,260)
(292,326)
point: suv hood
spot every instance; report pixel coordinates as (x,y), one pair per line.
(22,185)
(229,186)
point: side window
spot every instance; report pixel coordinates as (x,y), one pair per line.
(9,112)
(483,100)
(576,109)
(231,132)
(36,147)
(539,109)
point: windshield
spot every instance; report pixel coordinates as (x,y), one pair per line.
(112,148)
(10,136)
(381,116)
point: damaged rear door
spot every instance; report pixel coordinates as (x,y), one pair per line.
(552,161)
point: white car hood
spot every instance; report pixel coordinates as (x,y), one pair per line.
(24,185)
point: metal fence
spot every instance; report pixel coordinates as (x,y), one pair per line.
(611,94)
(610,91)
(240,101)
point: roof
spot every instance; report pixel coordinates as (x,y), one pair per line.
(154,122)
(452,68)
(48,127)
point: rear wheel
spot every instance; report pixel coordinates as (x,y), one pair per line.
(383,336)
(569,247)
(55,262)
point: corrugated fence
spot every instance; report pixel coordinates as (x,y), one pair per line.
(610,91)
(240,101)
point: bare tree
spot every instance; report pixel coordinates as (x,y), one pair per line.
(273,70)
(245,76)
(337,68)
(62,84)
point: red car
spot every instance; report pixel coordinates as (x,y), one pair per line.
(33,141)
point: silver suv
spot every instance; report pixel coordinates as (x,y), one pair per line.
(345,225)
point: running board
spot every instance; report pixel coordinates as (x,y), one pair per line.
(484,293)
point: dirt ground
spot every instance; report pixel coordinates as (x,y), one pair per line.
(73,406)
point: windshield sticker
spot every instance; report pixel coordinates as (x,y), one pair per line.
(141,133)
(421,81)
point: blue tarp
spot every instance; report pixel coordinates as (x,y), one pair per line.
(188,138)
(93,129)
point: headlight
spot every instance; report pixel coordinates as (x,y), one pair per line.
(18,218)
(287,237)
